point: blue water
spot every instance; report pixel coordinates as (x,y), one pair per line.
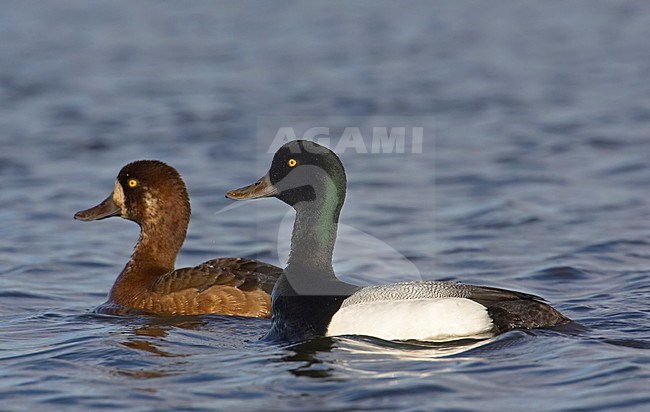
(533,176)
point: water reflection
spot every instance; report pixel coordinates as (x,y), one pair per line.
(146,345)
(320,358)
(307,354)
(150,336)
(365,345)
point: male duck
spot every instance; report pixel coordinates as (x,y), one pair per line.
(153,195)
(308,299)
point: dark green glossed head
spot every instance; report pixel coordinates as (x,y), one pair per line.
(301,171)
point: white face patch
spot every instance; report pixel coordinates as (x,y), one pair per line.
(118,197)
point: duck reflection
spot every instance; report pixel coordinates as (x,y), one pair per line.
(307,354)
(316,356)
(156,330)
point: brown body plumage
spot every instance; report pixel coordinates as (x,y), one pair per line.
(153,195)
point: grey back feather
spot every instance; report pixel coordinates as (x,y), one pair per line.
(433,290)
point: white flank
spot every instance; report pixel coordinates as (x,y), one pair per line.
(436,320)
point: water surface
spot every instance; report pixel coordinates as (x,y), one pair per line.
(534,176)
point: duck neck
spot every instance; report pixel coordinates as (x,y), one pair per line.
(154,255)
(314,233)
(159,245)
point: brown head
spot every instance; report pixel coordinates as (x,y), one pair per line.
(152,194)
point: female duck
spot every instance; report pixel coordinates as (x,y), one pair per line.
(153,195)
(308,299)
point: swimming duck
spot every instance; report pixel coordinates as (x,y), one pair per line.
(308,300)
(153,195)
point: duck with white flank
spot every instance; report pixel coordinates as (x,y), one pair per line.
(308,300)
(153,195)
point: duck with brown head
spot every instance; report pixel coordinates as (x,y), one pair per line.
(153,195)
(309,301)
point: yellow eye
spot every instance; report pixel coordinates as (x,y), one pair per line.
(133,183)
(292,162)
